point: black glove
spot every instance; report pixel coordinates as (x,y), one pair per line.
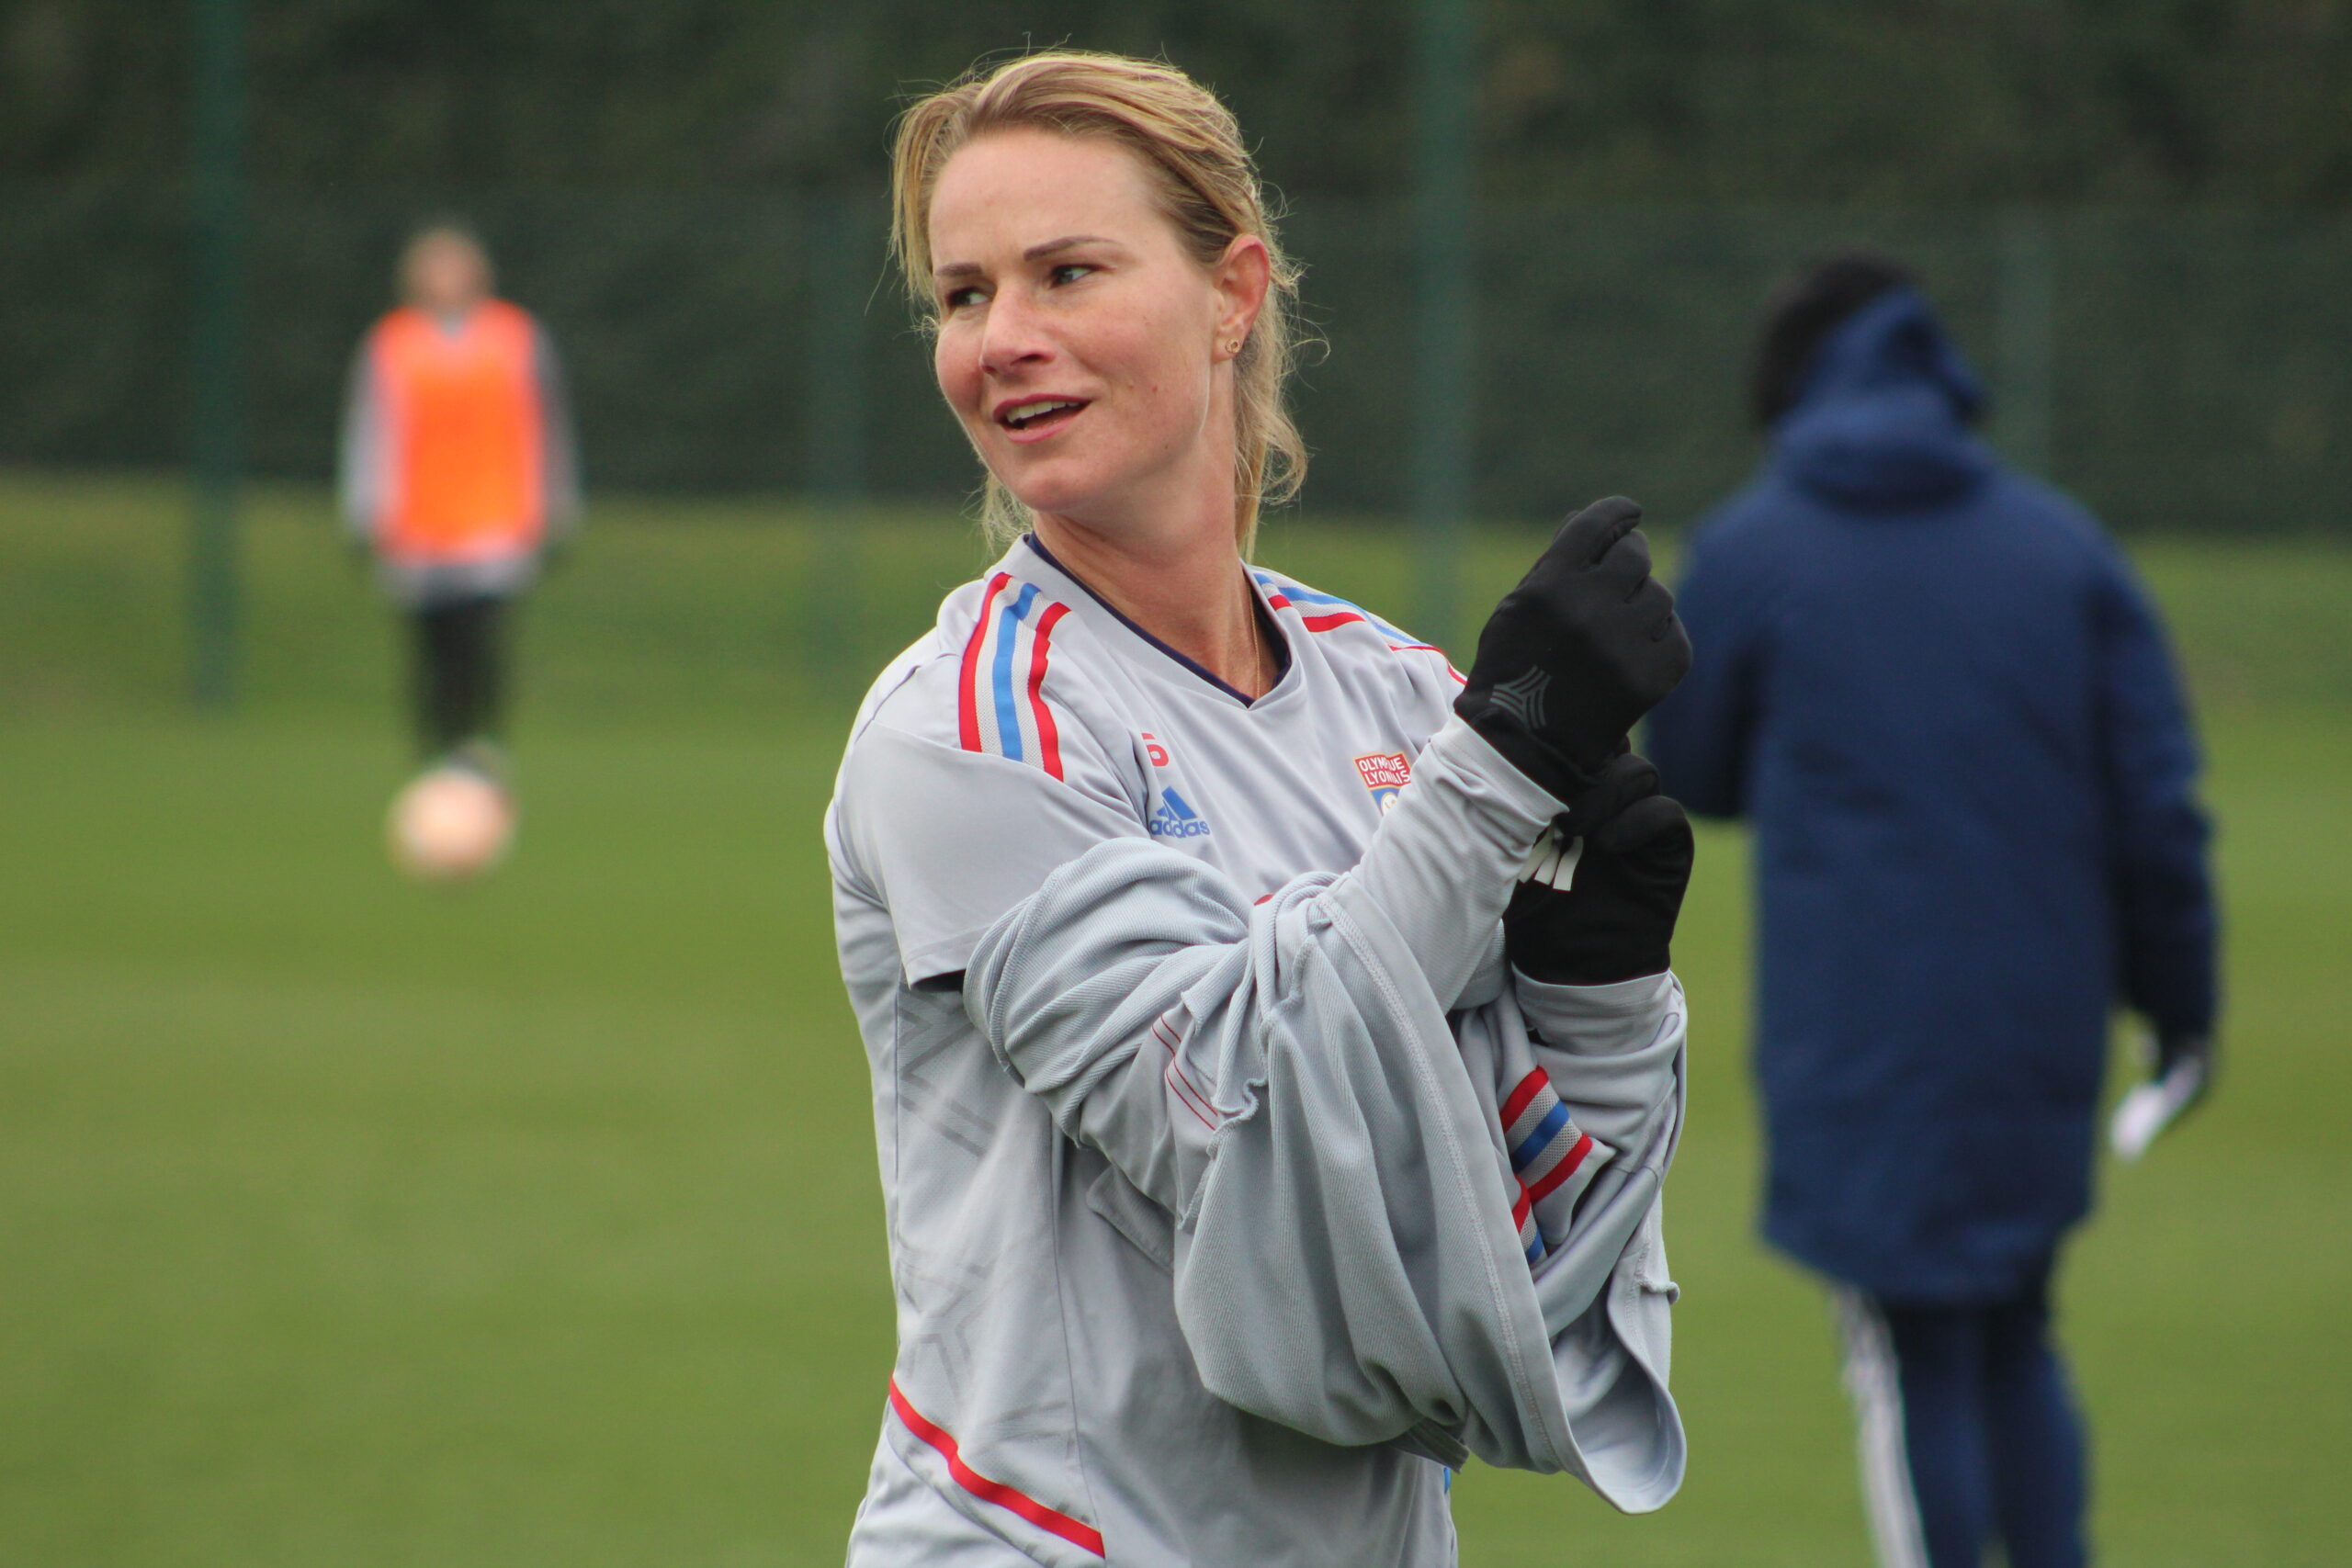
(1616,920)
(1575,655)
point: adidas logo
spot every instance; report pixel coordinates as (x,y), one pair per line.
(1175,819)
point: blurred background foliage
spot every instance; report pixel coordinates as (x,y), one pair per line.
(1916,101)
(2134,209)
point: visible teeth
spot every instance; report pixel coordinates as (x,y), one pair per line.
(1021,413)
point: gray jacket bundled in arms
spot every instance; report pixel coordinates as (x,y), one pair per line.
(1308,1091)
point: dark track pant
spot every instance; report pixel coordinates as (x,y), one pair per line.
(459,671)
(1969,1434)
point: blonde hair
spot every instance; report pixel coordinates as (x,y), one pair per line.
(1208,188)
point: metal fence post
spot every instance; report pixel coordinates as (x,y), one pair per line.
(216,432)
(1442,415)
(2021,405)
(841,278)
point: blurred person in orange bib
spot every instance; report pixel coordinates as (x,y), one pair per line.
(458,472)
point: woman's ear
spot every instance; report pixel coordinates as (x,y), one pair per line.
(1243,274)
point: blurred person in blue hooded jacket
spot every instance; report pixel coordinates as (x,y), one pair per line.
(1945,703)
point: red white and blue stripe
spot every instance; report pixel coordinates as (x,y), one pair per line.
(1547,1150)
(1000,698)
(1323,612)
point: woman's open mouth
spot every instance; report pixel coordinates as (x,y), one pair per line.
(1034,418)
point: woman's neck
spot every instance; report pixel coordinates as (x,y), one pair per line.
(1187,588)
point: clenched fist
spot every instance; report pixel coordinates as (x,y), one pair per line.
(1575,655)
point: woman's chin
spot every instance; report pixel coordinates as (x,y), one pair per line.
(1086,492)
(1067,495)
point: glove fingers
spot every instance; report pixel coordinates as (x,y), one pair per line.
(1625,780)
(1626,566)
(1656,663)
(1656,820)
(1586,536)
(1653,605)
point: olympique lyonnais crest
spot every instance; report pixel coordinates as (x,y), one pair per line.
(1386,773)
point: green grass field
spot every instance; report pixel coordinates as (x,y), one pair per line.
(346,1222)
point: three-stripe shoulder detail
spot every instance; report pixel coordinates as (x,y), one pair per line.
(1325,612)
(1000,705)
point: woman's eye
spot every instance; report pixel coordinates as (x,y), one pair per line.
(1068,272)
(956,299)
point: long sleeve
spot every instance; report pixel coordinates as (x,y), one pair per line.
(1699,736)
(1447,858)
(2158,833)
(1613,1053)
(365,458)
(559,460)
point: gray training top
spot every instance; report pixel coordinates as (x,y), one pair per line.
(1235,1190)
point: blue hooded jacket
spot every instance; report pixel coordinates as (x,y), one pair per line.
(1945,703)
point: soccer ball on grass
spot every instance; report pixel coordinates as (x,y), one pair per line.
(451,823)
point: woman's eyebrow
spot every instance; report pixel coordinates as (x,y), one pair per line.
(1067,241)
(1035,253)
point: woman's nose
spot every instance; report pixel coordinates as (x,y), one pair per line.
(1013,337)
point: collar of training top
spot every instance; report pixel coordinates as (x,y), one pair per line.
(1267,623)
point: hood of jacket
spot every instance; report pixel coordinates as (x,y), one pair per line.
(1882,421)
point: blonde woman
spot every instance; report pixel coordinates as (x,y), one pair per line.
(1255,1144)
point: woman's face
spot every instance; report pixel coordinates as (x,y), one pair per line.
(1082,348)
